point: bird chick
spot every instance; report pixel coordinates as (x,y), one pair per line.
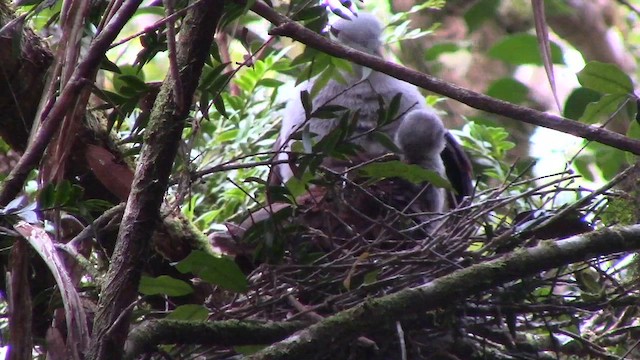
(420,137)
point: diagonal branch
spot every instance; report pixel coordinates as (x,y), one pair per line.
(289,28)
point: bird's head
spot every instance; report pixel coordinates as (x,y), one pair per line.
(362,32)
(420,135)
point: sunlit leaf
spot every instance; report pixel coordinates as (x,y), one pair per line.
(605,78)
(523,49)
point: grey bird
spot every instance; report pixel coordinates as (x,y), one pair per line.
(417,132)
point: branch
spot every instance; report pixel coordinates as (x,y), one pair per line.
(289,28)
(52,120)
(142,212)
(349,324)
(146,337)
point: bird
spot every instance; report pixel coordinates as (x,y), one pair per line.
(417,131)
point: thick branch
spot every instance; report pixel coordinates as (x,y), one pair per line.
(141,216)
(347,325)
(148,336)
(287,27)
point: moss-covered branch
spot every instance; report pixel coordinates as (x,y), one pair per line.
(347,325)
(147,336)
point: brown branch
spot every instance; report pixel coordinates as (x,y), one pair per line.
(141,216)
(349,324)
(287,27)
(19,302)
(52,119)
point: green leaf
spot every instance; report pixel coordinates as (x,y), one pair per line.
(165,285)
(409,172)
(603,108)
(605,78)
(523,49)
(218,103)
(309,13)
(609,160)
(151,10)
(480,12)
(321,81)
(267,82)
(577,102)
(109,65)
(386,141)
(59,195)
(209,75)
(226,136)
(392,110)
(248,349)
(222,271)
(508,89)
(436,50)
(306,103)
(191,312)
(328,111)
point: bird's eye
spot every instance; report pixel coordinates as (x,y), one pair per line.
(334,31)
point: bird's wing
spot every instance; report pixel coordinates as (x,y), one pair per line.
(458,168)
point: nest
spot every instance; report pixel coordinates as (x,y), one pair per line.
(344,242)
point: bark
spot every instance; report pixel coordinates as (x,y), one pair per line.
(22,78)
(150,183)
(20,303)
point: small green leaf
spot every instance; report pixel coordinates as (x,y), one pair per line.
(222,271)
(109,65)
(603,108)
(248,349)
(218,103)
(409,172)
(225,136)
(164,285)
(523,49)
(605,78)
(306,103)
(392,110)
(321,81)
(386,141)
(272,83)
(371,277)
(191,312)
(328,111)
(577,102)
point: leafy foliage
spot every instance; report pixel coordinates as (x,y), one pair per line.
(319,248)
